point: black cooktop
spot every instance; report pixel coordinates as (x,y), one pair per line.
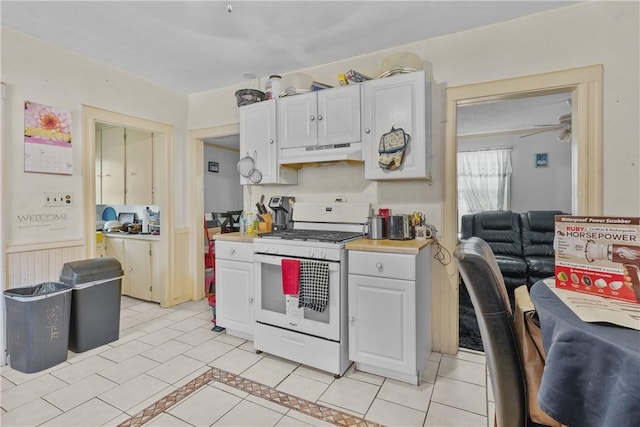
(313,235)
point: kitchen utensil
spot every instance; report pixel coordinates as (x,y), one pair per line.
(255,176)
(249,96)
(377,228)
(245,166)
(113,225)
(391,148)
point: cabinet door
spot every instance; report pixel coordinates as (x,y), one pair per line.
(114,248)
(297,120)
(400,102)
(258,138)
(113,166)
(382,323)
(138,170)
(234,295)
(338,115)
(137,268)
(98,155)
(158,272)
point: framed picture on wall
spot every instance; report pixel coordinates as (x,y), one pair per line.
(542,160)
(213,167)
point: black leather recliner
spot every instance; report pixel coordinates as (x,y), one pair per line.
(502,231)
(538,231)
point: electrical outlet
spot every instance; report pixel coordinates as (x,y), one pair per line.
(58,199)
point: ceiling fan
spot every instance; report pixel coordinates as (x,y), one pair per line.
(563,125)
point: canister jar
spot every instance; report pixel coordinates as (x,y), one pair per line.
(272,87)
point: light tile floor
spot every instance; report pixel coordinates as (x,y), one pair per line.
(161,350)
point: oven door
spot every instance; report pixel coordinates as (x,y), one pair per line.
(275,308)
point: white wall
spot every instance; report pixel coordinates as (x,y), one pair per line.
(43,73)
(222,190)
(534,188)
(590,33)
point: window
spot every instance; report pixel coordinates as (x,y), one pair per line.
(484,178)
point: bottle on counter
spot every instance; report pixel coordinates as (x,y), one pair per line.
(250,226)
(145,221)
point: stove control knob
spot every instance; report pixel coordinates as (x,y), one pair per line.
(311,253)
(322,255)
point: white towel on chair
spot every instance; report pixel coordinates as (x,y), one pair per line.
(314,285)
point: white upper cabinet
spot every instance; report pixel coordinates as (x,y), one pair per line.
(124,165)
(320,126)
(258,140)
(401,101)
(112,167)
(138,167)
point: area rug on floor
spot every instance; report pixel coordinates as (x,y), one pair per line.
(467,323)
(307,407)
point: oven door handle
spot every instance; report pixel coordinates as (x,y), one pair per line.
(277,260)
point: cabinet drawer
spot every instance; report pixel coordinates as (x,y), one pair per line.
(380,264)
(235,251)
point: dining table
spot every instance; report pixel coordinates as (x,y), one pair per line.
(592,370)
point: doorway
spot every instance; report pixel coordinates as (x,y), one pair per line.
(172,273)
(585,85)
(197,196)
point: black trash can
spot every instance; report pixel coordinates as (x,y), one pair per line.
(37,325)
(95,306)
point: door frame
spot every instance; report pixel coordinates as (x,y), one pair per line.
(165,132)
(585,84)
(196,197)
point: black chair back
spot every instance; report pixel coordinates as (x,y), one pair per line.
(485,284)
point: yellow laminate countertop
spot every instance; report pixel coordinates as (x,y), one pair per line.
(235,237)
(389,246)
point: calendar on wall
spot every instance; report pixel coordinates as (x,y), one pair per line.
(47,139)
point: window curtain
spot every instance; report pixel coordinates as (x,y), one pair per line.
(483,180)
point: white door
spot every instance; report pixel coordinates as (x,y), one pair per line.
(234,295)
(382,323)
(395,102)
(298,120)
(338,115)
(258,138)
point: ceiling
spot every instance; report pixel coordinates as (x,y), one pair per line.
(194,46)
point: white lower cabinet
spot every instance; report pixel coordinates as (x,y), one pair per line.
(234,288)
(389,313)
(142,277)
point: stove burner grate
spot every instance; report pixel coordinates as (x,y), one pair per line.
(313,235)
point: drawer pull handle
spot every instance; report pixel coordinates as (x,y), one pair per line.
(352,320)
(379,265)
(232,251)
(250,300)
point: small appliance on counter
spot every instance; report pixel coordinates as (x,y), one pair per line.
(282,207)
(377,228)
(400,227)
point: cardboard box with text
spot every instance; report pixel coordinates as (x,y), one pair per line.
(599,255)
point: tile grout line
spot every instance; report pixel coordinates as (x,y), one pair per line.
(312,409)
(168,401)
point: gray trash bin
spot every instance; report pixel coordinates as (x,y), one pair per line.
(37,325)
(95,306)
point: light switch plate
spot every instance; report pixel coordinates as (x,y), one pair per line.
(58,199)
